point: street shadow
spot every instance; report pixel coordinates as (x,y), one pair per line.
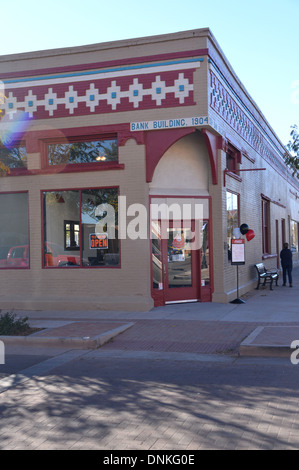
(110,403)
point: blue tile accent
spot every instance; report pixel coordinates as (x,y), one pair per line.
(135,93)
(30,104)
(71,99)
(181,87)
(114,69)
(51,101)
(158,91)
(113,94)
(91,97)
(10,105)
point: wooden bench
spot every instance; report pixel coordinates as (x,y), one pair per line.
(266,275)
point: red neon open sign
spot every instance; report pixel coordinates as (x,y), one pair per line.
(98,241)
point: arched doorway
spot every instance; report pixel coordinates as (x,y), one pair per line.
(180,222)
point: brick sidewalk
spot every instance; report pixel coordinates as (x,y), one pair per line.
(186,336)
(203,337)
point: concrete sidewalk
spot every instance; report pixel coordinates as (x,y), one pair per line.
(265,325)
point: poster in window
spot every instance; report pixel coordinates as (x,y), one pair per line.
(238,251)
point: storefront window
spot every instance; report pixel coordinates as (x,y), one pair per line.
(232,215)
(81,228)
(98,151)
(14,232)
(294,235)
(14,157)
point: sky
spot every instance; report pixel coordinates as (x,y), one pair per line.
(259,38)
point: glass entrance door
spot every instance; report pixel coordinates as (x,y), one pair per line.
(175,262)
(179,261)
(181,268)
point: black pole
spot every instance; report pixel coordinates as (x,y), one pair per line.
(238,300)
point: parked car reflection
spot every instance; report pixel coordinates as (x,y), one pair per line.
(54,256)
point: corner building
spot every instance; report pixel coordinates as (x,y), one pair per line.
(95,136)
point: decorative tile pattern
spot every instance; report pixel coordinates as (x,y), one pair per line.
(77,94)
(223,103)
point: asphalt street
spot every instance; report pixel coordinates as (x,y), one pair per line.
(116,400)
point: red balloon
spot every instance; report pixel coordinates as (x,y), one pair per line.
(250,235)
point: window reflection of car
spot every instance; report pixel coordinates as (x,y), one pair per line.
(18,257)
(55,256)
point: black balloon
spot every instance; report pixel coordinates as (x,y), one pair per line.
(244,229)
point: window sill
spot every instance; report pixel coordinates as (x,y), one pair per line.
(232,174)
(67,268)
(78,167)
(74,168)
(18,172)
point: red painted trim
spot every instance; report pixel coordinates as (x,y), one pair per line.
(249,157)
(71,168)
(18,172)
(120,131)
(77,168)
(272,200)
(213,143)
(105,64)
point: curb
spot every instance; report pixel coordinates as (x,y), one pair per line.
(265,351)
(270,347)
(73,342)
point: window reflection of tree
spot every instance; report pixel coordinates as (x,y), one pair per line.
(15,157)
(83,152)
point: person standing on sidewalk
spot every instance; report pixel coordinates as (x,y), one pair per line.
(286,258)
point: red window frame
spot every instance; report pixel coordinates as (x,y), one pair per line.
(266,225)
(77,167)
(43,252)
(18,170)
(233,158)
